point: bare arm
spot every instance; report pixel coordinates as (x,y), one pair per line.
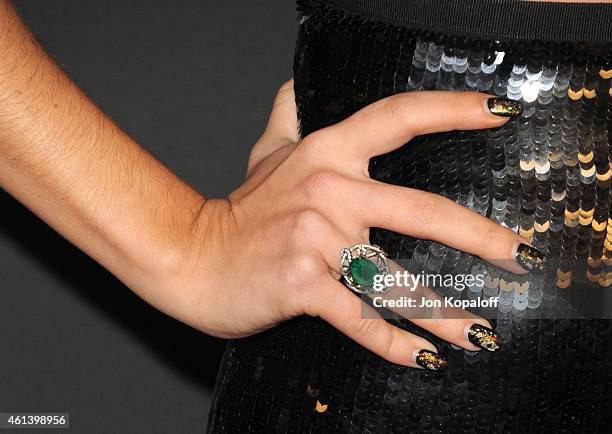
(67,162)
(270,251)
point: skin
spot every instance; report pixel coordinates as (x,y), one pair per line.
(233,267)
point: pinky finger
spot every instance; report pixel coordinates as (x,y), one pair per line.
(347,313)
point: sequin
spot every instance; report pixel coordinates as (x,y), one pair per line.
(528,175)
(320,407)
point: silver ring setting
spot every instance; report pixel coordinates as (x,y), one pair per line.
(360,264)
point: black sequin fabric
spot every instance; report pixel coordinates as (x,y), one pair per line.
(545,174)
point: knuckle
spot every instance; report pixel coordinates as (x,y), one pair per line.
(487,235)
(309,221)
(367,327)
(399,106)
(314,143)
(468,107)
(319,184)
(303,272)
(309,225)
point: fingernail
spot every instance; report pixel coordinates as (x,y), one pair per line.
(484,337)
(504,107)
(531,259)
(432,361)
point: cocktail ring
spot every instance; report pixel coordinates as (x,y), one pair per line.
(360,265)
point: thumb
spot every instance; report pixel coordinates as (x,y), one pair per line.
(282,128)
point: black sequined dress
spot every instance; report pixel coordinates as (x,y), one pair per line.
(546,174)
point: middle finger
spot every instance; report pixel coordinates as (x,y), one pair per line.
(433,217)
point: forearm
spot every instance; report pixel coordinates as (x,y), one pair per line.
(67,162)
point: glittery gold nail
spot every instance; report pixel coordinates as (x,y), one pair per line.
(530,258)
(504,107)
(484,337)
(432,361)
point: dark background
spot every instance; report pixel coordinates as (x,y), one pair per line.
(193,81)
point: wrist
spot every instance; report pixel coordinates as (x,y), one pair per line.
(193,272)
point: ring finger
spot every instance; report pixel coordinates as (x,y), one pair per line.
(460,327)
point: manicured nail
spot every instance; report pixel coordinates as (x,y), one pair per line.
(504,107)
(484,337)
(531,259)
(432,361)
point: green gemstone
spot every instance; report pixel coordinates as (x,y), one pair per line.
(363,271)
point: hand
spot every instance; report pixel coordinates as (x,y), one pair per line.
(271,250)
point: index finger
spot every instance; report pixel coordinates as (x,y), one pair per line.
(391,122)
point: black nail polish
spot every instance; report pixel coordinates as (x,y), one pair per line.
(484,337)
(432,361)
(504,107)
(531,259)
